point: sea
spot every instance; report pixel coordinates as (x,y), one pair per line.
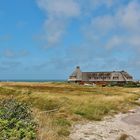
(32,80)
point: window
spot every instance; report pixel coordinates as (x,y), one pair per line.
(115,78)
(72,77)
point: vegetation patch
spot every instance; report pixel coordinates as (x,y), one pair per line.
(63,132)
(44,103)
(96,110)
(57,107)
(16,121)
(8,91)
(62,122)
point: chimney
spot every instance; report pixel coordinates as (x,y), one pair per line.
(78,67)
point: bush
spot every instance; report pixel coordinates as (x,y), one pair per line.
(16,121)
(132,84)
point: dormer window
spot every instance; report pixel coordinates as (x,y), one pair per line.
(115,78)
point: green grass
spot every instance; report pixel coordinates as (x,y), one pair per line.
(73,103)
(62,122)
(95,111)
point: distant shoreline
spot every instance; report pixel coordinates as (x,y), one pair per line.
(33,80)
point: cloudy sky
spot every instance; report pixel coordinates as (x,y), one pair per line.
(47,39)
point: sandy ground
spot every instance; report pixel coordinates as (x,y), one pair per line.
(110,128)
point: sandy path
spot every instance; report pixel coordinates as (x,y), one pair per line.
(110,129)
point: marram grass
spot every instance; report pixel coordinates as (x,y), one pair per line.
(71,104)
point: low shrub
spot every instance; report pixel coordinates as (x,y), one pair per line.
(132,85)
(16,121)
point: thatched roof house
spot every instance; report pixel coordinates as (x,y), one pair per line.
(114,76)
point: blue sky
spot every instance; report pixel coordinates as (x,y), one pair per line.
(47,39)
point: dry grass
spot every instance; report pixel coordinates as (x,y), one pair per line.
(74,103)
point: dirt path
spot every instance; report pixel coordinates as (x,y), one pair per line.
(125,125)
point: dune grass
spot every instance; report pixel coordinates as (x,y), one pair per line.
(57,106)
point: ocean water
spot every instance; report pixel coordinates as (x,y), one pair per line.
(32,80)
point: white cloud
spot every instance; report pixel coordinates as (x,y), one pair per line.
(67,8)
(124,41)
(118,29)
(107,3)
(135,41)
(129,16)
(111,32)
(58,13)
(54,30)
(103,24)
(122,25)
(9,65)
(8,53)
(115,41)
